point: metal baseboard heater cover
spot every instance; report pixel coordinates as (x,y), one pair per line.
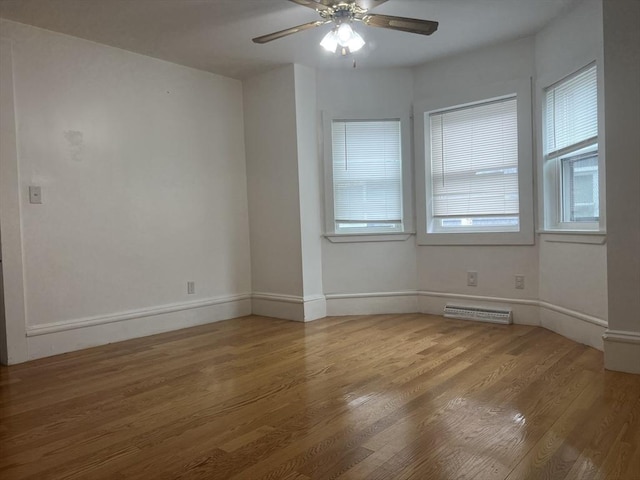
(479,314)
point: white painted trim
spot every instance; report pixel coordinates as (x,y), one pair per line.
(372,303)
(368,113)
(55,343)
(622,351)
(480,298)
(368,237)
(289,307)
(315,307)
(277,297)
(622,336)
(313,298)
(573,313)
(525,311)
(588,238)
(44,329)
(341,296)
(570,323)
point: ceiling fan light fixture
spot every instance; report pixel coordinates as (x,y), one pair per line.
(356,42)
(345,34)
(330,41)
(342,38)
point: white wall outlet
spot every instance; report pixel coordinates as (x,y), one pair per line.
(35,194)
(191,288)
(520,282)
(472,279)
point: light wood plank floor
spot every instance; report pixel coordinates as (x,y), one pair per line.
(376,397)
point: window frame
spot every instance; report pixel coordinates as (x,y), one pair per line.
(520,89)
(368,235)
(550,169)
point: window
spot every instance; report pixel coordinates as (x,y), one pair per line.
(366,176)
(474,177)
(474,168)
(571,162)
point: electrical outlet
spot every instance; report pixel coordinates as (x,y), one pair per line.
(35,194)
(191,288)
(472,279)
(520,282)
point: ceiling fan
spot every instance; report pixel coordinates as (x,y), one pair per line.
(342,13)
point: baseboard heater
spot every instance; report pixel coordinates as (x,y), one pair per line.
(479,314)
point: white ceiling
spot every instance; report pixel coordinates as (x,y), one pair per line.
(215,35)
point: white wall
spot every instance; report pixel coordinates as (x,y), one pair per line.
(141,164)
(622,112)
(573,272)
(444,269)
(310,184)
(14,346)
(284,193)
(272,179)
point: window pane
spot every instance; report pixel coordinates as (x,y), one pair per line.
(474,161)
(580,190)
(367,174)
(571,150)
(571,111)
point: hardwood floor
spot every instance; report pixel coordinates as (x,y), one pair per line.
(377,397)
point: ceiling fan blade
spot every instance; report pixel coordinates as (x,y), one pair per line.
(288,31)
(369,4)
(411,25)
(312,4)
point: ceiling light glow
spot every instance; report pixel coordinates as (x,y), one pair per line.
(343,39)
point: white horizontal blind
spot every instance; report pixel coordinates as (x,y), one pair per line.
(474,160)
(571,112)
(367,171)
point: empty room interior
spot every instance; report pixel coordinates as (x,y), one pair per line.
(330,239)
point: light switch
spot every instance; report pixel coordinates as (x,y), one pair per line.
(35,194)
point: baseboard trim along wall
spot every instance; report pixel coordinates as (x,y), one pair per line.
(54,327)
(569,323)
(62,337)
(372,303)
(622,351)
(525,311)
(65,336)
(289,307)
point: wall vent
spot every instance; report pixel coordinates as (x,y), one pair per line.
(479,314)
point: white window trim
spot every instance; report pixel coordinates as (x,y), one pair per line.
(407,193)
(547,188)
(525,236)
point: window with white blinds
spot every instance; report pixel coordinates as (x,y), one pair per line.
(367,175)
(474,167)
(571,113)
(570,148)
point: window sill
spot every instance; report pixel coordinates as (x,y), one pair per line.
(368,237)
(573,236)
(477,238)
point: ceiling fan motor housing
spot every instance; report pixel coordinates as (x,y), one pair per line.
(342,12)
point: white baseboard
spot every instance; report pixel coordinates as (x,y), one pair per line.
(372,303)
(61,337)
(289,307)
(573,325)
(622,351)
(621,348)
(525,311)
(315,308)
